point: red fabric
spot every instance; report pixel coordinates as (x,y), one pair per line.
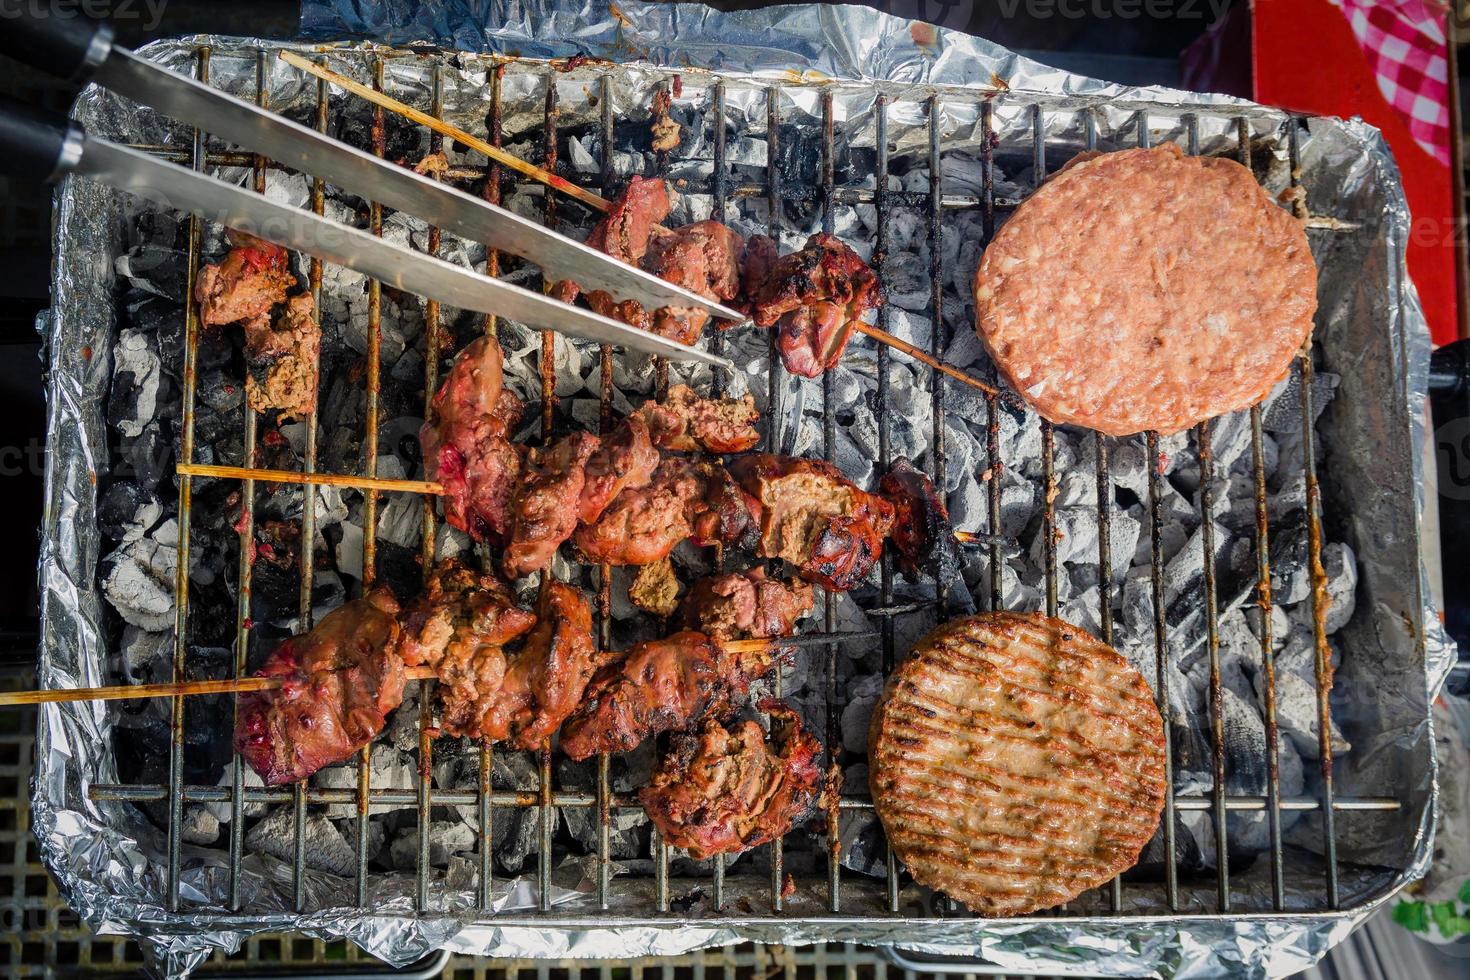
(1404,41)
(1305,57)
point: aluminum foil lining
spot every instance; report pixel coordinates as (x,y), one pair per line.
(106,856)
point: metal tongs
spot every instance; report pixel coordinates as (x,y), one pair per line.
(44,146)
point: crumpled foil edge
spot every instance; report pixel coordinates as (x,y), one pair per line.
(114,881)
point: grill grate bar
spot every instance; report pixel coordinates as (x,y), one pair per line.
(1322,666)
(151,793)
(604,572)
(431,381)
(995,467)
(775,377)
(717,379)
(1048,431)
(829,610)
(885,450)
(181,580)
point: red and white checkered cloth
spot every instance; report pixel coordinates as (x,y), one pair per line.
(1405,44)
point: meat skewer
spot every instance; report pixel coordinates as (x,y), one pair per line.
(587,197)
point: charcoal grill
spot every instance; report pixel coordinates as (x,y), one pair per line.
(915,122)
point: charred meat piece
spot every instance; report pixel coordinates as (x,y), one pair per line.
(624,234)
(339,682)
(814,298)
(703,257)
(921,530)
(644,524)
(626,458)
(815,518)
(544,512)
(251,280)
(465,446)
(745,605)
(686,423)
(458,613)
(728,789)
(726,514)
(659,686)
(492,695)
(281,356)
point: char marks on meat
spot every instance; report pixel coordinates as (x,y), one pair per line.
(544,511)
(251,280)
(623,234)
(659,686)
(814,298)
(492,695)
(626,458)
(281,356)
(703,257)
(465,446)
(459,612)
(644,524)
(686,423)
(745,605)
(814,517)
(728,789)
(922,532)
(339,681)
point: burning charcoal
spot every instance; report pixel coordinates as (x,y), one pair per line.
(581,822)
(1342,583)
(223,812)
(1246,772)
(353,120)
(126,511)
(164,229)
(154,314)
(1185,571)
(138,579)
(906,278)
(135,382)
(446,837)
(147,657)
(1281,412)
(220,392)
(386,770)
(515,837)
(154,269)
(1083,610)
(860,833)
(348,550)
(399,568)
(401,522)
(326,847)
(862,695)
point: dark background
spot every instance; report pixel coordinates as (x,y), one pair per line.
(1070,34)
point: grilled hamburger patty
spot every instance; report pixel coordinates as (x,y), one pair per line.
(1016,762)
(1144,289)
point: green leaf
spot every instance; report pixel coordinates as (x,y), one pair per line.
(1413,916)
(1444,914)
(1465,892)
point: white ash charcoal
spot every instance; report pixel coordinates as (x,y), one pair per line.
(200,826)
(1076,537)
(582,160)
(906,277)
(450,542)
(136,376)
(293,191)
(402,520)
(1246,771)
(570,363)
(463,874)
(1015,593)
(1083,610)
(1185,569)
(147,656)
(746,151)
(349,550)
(1341,590)
(126,511)
(1296,714)
(138,580)
(1230,442)
(326,847)
(155,269)
(223,812)
(853,460)
(330,507)
(515,836)
(446,837)
(386,770)
(913,327)
(1281,411)
(965,349)
(862,693)
(1019,436)
(859,831)
(633,372)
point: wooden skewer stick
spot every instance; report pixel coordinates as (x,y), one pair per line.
(126,692)
(580,193)
(446,129)
(319,479)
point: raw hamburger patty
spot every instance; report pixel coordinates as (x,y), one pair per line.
(1016,762)
(1145,289)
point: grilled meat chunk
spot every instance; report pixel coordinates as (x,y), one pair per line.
(686,423)
(626,458)
(465,446)
(340,680)
(726,514)
(659,686)
(544,512)
(644,524)
(745,605)
(728,789)
(921,528)
(624,234)
(655,589)
(815,518)
(814,298)
(492,695)
(703,257)
(281,356)
(247,284)
(458,613)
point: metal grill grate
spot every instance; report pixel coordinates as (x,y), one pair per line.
(933,203)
